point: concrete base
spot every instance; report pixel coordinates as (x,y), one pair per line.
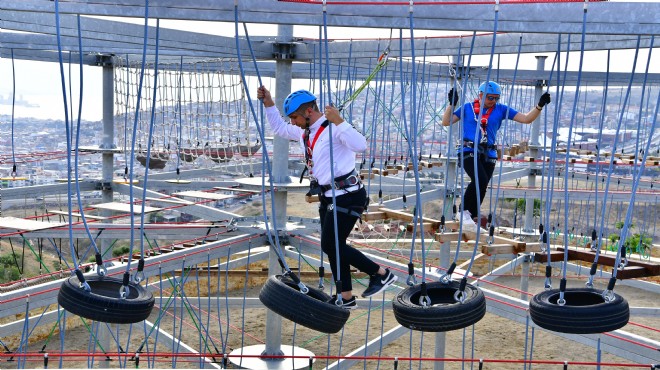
(253,362)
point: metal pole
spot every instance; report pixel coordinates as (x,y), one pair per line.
(441,338)
(280,175)
(533,150)
(107,160)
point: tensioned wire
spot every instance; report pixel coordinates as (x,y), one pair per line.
(493,205)
(562,284)
(446,277)
(273,237)
(595,244)
(412,146)
(551,176)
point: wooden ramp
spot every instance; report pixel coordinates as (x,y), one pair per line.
(635,268)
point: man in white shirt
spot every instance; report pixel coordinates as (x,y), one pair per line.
(309,127)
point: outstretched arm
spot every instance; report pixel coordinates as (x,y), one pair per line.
(530,116)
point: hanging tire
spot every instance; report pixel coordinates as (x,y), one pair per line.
(312,310)
(103,303)
(585,311)
(444,313)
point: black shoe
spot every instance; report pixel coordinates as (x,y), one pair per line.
(347,304)
(378,283)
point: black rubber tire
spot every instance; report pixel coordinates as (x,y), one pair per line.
(312,310)
(445,313)
(585,311)
(103,303)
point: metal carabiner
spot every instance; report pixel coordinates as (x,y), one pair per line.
(124,290)
(425,301)
(85,286)
(459,296)
(590,282)
(412,280)
(548,283)
(138,277)
(608,295)
(101,270)
(445,278)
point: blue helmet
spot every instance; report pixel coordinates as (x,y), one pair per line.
(490,87)
(296,99)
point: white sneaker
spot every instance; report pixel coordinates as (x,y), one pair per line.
(468,223)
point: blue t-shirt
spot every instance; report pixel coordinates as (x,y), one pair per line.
(494,122)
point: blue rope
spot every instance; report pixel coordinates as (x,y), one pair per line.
(568,150)
(493,205)
(412,149)
(611,166)
(101,271)
(265,163)
(68,141)
(133,140)
(140,275)
(332,170)
(636,180)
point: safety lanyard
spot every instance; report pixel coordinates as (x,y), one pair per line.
(309,147)
(484,119)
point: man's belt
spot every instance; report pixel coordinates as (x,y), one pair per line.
(343,182)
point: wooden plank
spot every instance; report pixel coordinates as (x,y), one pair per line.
(238,190)
(450,237)
(78,215)
(124,207)
(169,200)
(498,239)
(652,269)
(631,272)
(555,256)
(366,174)
(374,216)
(27,225)
(202,195)
(509,249)
(404,216)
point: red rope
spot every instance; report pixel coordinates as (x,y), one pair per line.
(370,358)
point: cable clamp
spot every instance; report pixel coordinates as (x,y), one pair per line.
(608,295)
(590,282)
(497,6)
(425,301)
(460,296)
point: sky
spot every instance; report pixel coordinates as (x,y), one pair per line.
(39,83)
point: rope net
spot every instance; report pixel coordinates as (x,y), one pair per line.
(200,113)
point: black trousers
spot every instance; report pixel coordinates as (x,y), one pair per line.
(485,169)
(348,256)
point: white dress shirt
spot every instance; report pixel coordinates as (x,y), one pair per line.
(346,141)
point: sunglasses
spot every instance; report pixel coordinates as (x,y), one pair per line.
(491,98)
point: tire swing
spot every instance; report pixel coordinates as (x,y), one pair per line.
(450,306)
(583,311)
(98,298)
(313,309)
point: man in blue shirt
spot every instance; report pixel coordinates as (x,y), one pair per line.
(482,119)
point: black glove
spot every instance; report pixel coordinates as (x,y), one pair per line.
(453,97)
(544,99)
